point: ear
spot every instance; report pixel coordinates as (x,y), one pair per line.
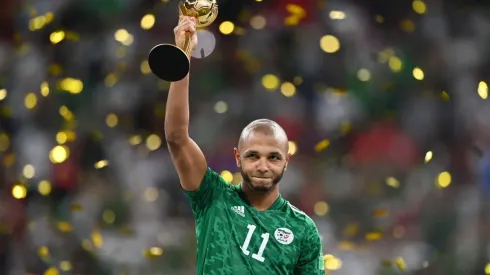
(236,153)
(288,157)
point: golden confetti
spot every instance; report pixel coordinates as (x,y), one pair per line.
(44,187)
(445,96)
(419,6)
(65,266)
(418,73)
(373,236)
(226,27)
(428,156)
(3,94)
(296,13)
(380,213)
(64,226)
(331,262)
(321,208)
(346,245)
(109,216)
(19,191)
(153,142)
(76,207)
(408,25)
(483,90)
(52,271)
(226,175)
(43,251)
(391,181)
(101,164)
(57,36)
(443,180)
(270,82)
(97,238)
(400,263)
(322,145)
(153,252)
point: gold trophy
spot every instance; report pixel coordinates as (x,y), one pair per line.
(171,63)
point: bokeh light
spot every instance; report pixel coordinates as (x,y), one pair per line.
(419,6)
(221,107)
(148,21)
(226,27)
(227,175)
(153,142)
(19,191)
(418,73)
(258,22)
(3,94)
(385,107)
(483,90)
(59,154)
(329,44)
(270,82)
(288,89)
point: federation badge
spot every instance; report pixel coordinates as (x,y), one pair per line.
(284,235)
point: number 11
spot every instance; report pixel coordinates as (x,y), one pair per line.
(265,239)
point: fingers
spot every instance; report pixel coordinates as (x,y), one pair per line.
(186,25)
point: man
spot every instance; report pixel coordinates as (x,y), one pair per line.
(246,229)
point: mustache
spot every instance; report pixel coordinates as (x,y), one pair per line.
(275,179)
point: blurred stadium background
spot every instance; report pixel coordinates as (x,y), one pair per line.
(385,103)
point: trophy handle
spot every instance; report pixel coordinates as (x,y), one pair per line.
(187,41)
(187,45)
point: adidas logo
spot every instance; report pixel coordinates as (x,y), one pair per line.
(240,210)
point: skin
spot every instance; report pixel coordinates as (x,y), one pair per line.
(261,155)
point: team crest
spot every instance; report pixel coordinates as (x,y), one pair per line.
(284,235)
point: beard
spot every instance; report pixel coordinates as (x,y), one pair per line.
(261,188)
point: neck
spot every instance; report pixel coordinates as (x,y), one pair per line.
(261,200)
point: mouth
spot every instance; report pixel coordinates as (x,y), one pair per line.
(262,178)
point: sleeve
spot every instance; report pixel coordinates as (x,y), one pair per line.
(211,187)
(311,258)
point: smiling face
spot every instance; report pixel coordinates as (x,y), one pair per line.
(262,156)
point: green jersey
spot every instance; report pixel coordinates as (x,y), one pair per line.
(235,238)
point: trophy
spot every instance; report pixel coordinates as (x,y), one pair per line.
(171,63)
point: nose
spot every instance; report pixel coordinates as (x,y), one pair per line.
(262,166)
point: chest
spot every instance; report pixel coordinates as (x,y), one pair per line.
(262,237)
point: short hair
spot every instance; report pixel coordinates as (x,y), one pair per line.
(264,126)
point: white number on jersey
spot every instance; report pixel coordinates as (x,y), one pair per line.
(265,239)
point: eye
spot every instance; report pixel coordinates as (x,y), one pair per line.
(275,157)
(252,156)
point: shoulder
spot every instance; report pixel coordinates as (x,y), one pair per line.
(300,218)
(212,176)
(212,182)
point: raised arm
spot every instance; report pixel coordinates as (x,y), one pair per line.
(186,155)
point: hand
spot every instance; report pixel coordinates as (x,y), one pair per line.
(186,25)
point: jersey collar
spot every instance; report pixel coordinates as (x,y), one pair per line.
(278,203)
